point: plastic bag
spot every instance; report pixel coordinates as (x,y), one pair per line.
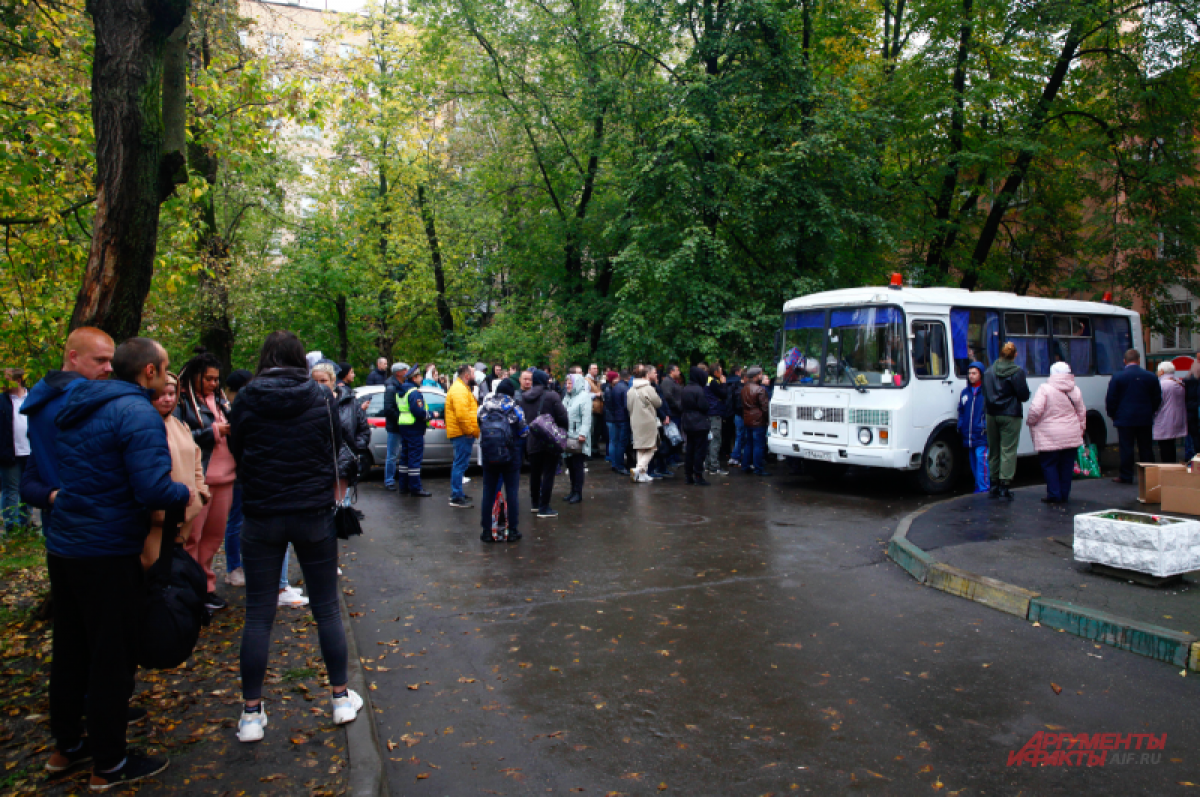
(1087,462)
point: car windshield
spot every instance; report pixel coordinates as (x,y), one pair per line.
(858,347)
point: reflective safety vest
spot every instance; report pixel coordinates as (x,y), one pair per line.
(406,417)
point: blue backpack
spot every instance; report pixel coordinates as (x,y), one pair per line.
(495,438)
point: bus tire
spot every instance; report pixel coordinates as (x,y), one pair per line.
(1097,431)
(941,464)
(824,472)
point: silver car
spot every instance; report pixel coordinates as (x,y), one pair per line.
(439,453)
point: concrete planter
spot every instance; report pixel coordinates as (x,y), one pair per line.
(1166,546)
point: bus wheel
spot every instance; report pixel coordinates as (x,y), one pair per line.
(824,472)
(1097,432)
(940,465)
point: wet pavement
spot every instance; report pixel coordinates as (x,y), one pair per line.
(745,638)
(1029,544)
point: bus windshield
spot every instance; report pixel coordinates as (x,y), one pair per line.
(860,347)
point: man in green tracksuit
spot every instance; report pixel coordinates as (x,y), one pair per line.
(1004,391)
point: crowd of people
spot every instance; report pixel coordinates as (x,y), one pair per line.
(123,457)
(647,420)
(1144,407)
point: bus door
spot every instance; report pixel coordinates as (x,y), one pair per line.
(933,387)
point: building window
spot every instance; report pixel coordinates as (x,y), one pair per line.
(312,50)
(1178,336)
(273,44)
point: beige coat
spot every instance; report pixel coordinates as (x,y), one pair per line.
(187,468)
(643,402)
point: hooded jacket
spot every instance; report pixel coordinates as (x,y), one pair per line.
(535,401)
(462,411)
(115,468)
(356,432)
(579,411)
(716,392)
(1170,422)
(41,406)
(972,420)
(694,402)
(284,435)
(1005,388)
(1057,416)
(643,403)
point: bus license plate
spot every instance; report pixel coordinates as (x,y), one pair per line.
(824,456)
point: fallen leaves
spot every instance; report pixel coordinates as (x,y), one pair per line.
(1057,689)
(414,687)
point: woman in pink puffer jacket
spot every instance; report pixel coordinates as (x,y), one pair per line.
(1057,420)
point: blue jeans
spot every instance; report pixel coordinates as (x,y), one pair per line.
(754,448)
(462,458)
(14,512)
(739,439)
(978,458)
(389,465)
(412,454)
(233,531)
(264,545)
(1058,468)
(618,441)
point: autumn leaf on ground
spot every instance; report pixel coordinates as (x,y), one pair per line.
(276,776)
(414,687)
(422,775)
(391,745)
(1057,689)
(632,776)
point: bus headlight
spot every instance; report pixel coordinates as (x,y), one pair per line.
(865,436)
(783,428)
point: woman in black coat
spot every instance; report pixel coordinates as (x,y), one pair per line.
(695,425)
(543,455)
(285,440)
(355,431)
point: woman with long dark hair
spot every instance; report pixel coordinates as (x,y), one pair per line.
(285,438)
(204,410)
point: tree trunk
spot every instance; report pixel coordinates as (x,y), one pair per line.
(938,259)
(435,253)
(132,176)
(343,328)
(1037,120)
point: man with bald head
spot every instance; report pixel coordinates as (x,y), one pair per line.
(87,355)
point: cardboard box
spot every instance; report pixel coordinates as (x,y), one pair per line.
(1180,491)
(1149,476)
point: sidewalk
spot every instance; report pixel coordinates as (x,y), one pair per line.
(1027,544)
(193,710)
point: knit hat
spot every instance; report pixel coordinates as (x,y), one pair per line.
(1060,368)
(238,379)
(540,377)
(343,370)
(506,388)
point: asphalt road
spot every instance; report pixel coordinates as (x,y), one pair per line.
(741,639)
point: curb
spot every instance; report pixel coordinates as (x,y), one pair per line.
(368,778)
(1155,642)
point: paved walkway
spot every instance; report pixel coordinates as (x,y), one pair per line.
(1029,544)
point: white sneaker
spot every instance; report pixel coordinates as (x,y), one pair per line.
(345,709)
(251,728)
(644,477)
(292,598)
(466,480)
(236,577)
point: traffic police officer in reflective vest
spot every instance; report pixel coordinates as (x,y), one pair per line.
(411,416)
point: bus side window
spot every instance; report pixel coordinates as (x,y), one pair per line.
(929,349)
(975,335)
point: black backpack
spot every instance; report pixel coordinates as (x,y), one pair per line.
(173,608)
(495,438)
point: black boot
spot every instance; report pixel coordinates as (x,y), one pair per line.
(1004,491)
(574,498)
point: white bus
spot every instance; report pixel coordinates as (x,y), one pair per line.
(872,376)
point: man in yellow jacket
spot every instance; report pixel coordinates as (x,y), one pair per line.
(462,428)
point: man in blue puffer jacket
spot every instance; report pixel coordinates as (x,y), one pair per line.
(972,425)
(114,469)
